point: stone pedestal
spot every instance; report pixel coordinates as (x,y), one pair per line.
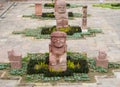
(102,60)
(57,50)
(84,18)
(38,9)
(15,59)
(61,15)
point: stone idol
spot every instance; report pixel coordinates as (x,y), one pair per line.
(61,15)
(57,50)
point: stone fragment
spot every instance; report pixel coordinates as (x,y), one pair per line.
(15,59)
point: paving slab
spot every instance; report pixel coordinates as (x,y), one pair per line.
(8,83)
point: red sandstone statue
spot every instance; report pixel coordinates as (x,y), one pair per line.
(84,18)
(57,49)
(102,60)
(61,14)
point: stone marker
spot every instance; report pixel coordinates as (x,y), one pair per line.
(57,50)
(61,15)
(102,60)
(84,18)
(15,59)
(38,9)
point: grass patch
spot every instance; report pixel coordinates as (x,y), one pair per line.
(73,32)
(108,5)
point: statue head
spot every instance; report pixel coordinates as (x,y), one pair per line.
(61,6)
(102,54)
(58,39)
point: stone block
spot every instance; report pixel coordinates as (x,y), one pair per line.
(15,59)
(16,64)
(38,9)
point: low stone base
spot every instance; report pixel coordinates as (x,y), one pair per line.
(16,64)
(102,63)
(58,68)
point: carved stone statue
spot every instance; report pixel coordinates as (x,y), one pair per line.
(102,60)
(84,18)
(61,14)
(57,50)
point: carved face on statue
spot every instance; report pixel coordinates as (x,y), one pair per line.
(61,9)
(58,41)
(61,6)
(102,54)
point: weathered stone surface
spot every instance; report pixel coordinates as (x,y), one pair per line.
(57,50)
(84,23)
(84,17)
(102,60)
(61,14)
(38,9)
(15,59)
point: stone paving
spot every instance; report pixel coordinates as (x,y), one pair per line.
(104,18)
(8,83)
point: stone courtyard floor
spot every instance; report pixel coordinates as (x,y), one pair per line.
(104,18)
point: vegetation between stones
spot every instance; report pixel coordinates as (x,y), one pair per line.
(108,5)
(80,68)
(74,32)
(50,15)
(76,63)
(51,5)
